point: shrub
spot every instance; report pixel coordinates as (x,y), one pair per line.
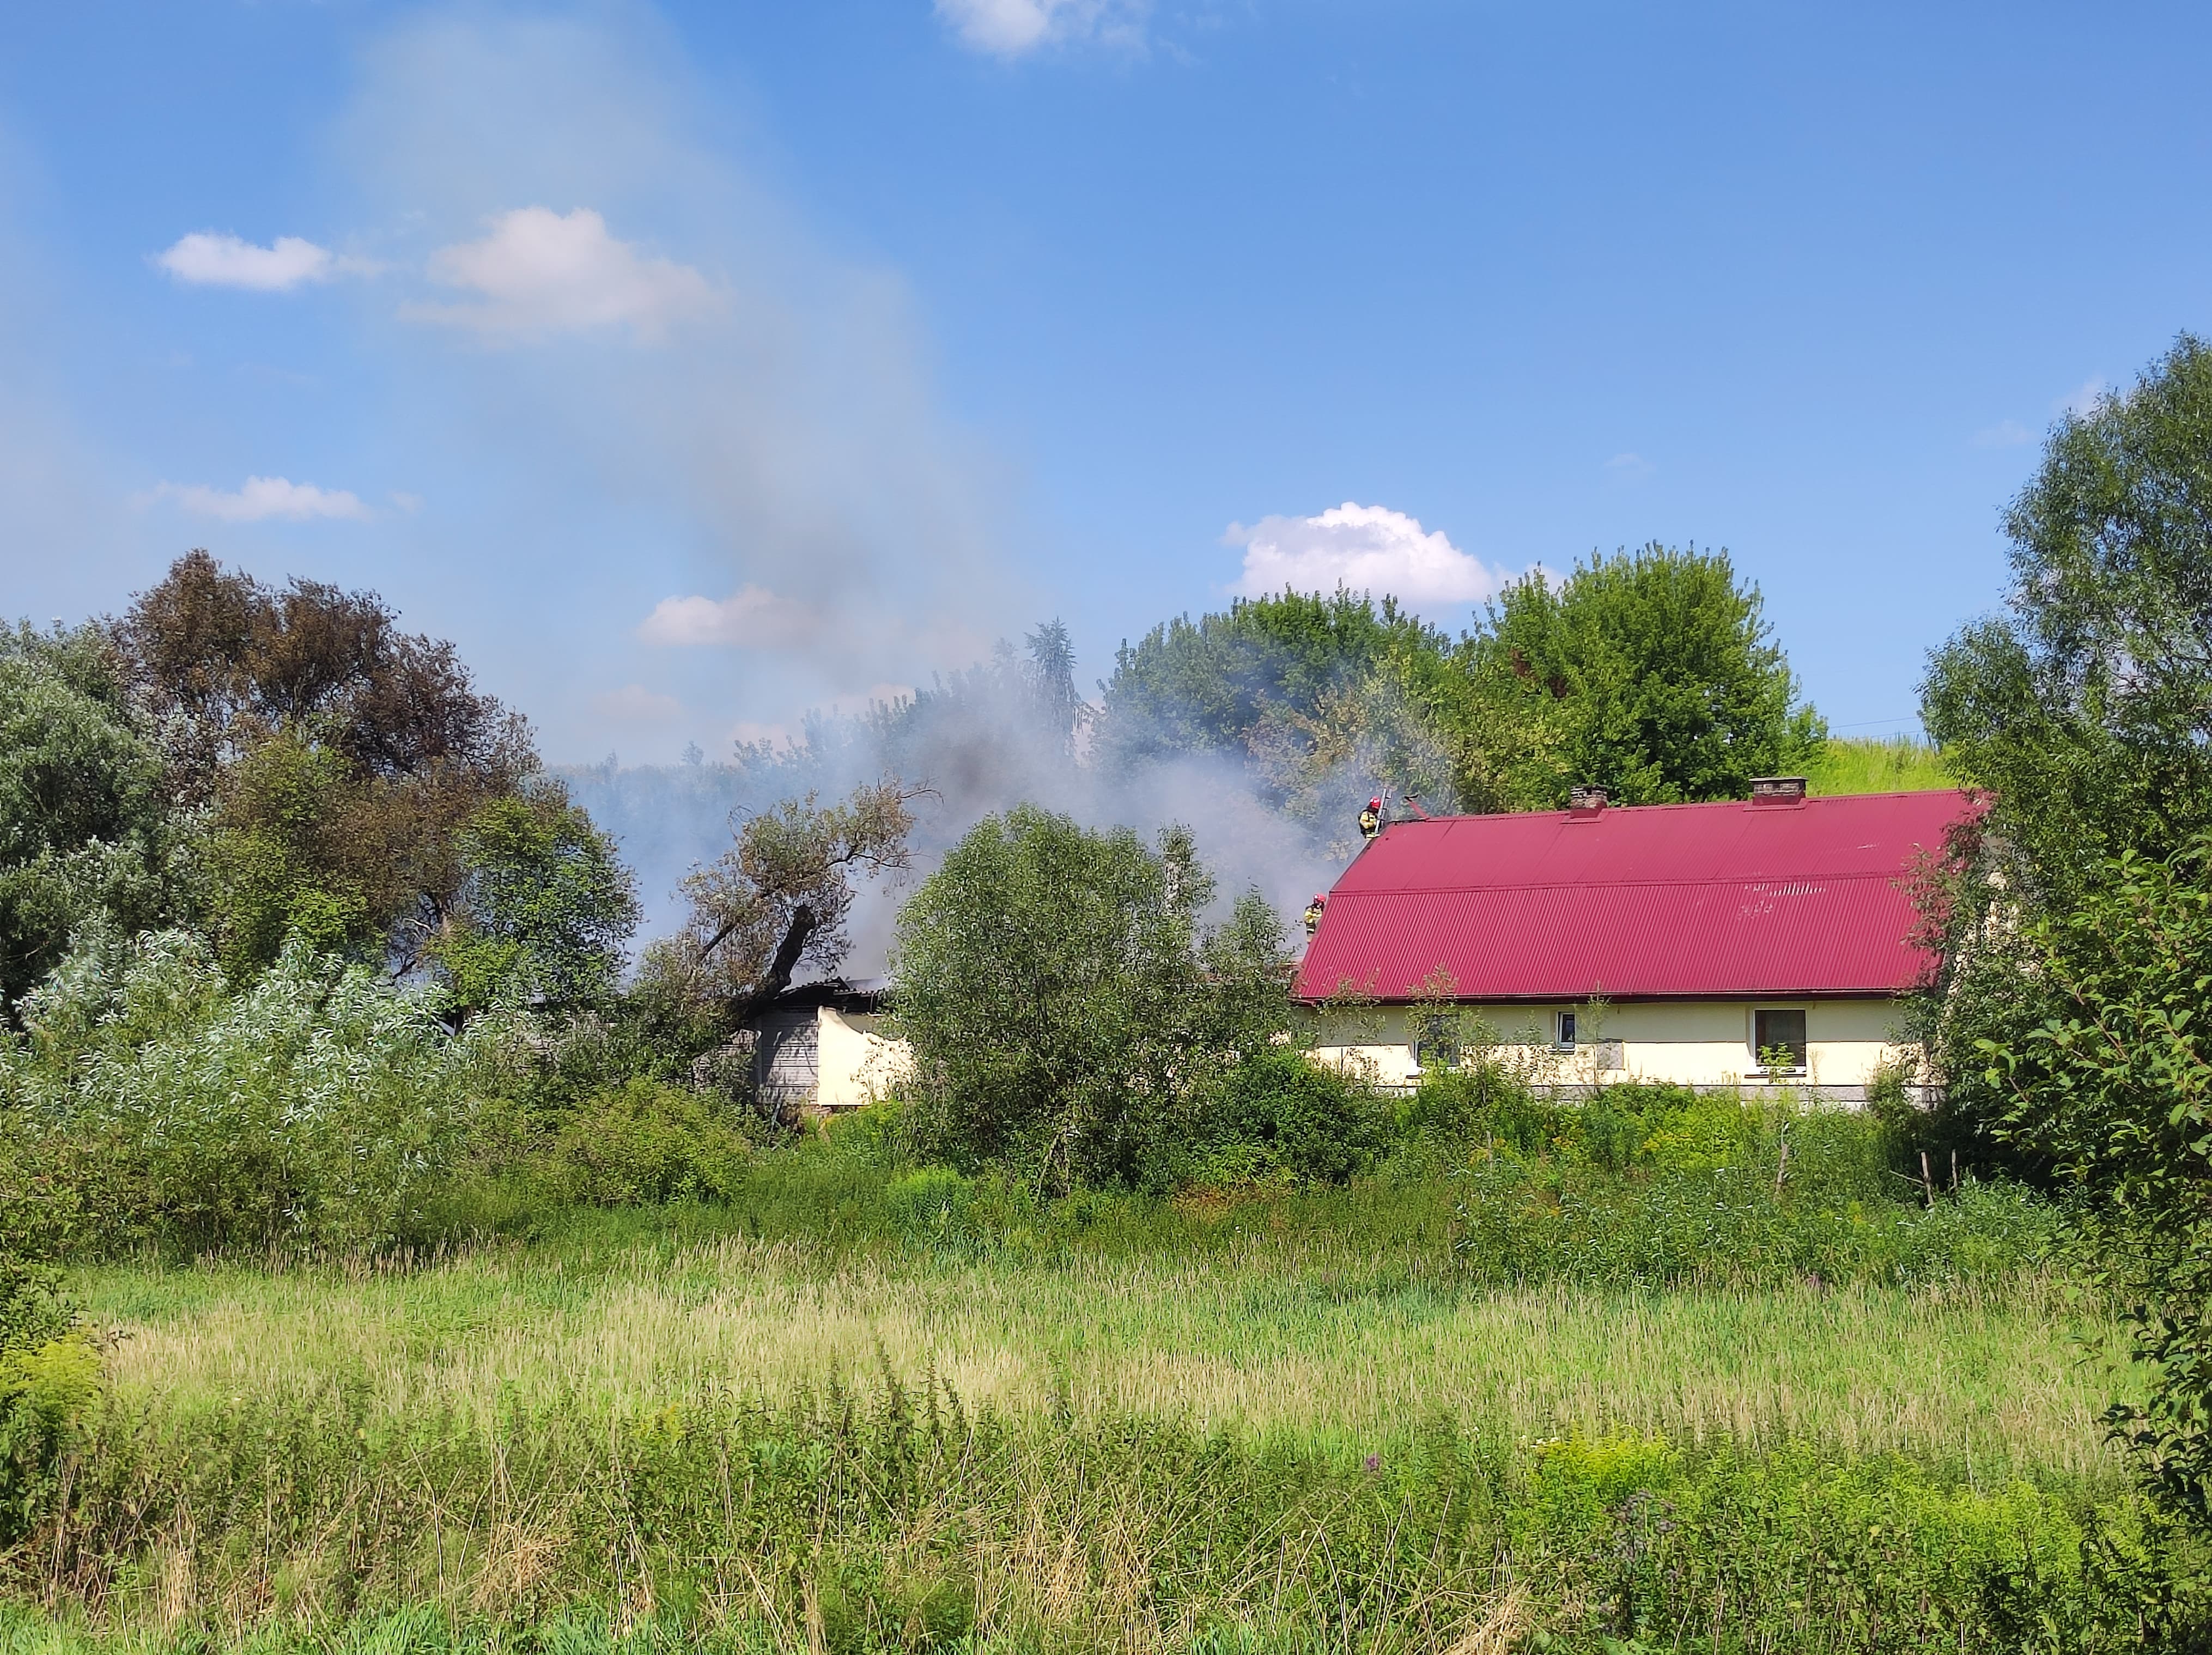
(320,1105)
(49,1379)
(1278,1117)
(930,1204)
(649,1144)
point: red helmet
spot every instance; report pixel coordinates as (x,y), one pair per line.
(1375,803)
(1319,899)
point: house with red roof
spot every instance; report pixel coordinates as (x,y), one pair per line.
(1705,944)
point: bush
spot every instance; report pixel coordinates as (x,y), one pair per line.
(1279,1118)
(930,1204)
(649,1143)
(318,1106)
(49,1379)
(1523,1222)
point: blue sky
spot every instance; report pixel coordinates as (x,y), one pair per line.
(691,364)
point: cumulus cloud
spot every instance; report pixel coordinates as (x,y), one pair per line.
(1009,28)
(751,615)
(261,498)
(207,259)
(539,271)
(1366,547)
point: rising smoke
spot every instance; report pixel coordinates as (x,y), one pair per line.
(1011,731)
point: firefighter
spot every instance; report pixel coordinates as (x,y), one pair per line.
(1313,913)
(1371,819)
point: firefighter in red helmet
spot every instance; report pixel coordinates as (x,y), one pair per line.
(1371,819)
(1313,913)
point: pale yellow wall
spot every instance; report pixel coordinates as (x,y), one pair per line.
(1688,1042)
(858,1061)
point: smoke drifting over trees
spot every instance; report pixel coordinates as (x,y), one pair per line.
(1263,728)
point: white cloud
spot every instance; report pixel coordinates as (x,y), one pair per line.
(1629,468)
(751,615)
(1368,549)
(635,704)
(2005,434)
(207,259)
(1008,28)
(539,271)
(263,498)
(2083,400)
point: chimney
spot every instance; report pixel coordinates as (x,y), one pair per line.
(1585,801)
(1777,790)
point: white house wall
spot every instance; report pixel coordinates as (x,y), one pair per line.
(1705,1043)
(857,1062)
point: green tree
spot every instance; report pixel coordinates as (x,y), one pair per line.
(1070,1014)
(2081,711)
(1046,977)
(1652,674)
(776,901)
(84,832)
(2113,1089)
(544,910)
(341,758)
(1229,681)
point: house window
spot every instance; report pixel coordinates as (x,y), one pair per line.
(1565,1040)
(1778,1040)
(1438,1046)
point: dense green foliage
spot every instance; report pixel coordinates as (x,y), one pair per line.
(1061,1003)
(313,1104)
(544,909)
(49,1376)
(2114,1089)
(1653,674)
(84,831)
(2083,709)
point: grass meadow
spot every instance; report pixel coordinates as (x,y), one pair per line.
(823,1418)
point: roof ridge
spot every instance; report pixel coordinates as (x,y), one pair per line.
(1611,884)
(1435,819)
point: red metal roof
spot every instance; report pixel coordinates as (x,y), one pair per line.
(1662,902)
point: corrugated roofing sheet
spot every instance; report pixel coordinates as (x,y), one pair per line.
(1654,902)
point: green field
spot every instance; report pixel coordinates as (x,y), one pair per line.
(1896,764)
(808,1420)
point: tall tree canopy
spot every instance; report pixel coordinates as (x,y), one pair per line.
(2085,706)
(341,756)
(2082,710)
(351,773)
(1231,681)
(84,828)
(1651,674)
(2066,1019)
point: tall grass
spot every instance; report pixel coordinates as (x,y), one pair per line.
(1872,764)
(1276,1339)
(907,1518)
(1497,1392)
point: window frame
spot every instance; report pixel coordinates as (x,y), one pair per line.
(1436,1041)
(1566,1030)
(1803,1065)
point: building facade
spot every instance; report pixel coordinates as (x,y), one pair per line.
(1755,942)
